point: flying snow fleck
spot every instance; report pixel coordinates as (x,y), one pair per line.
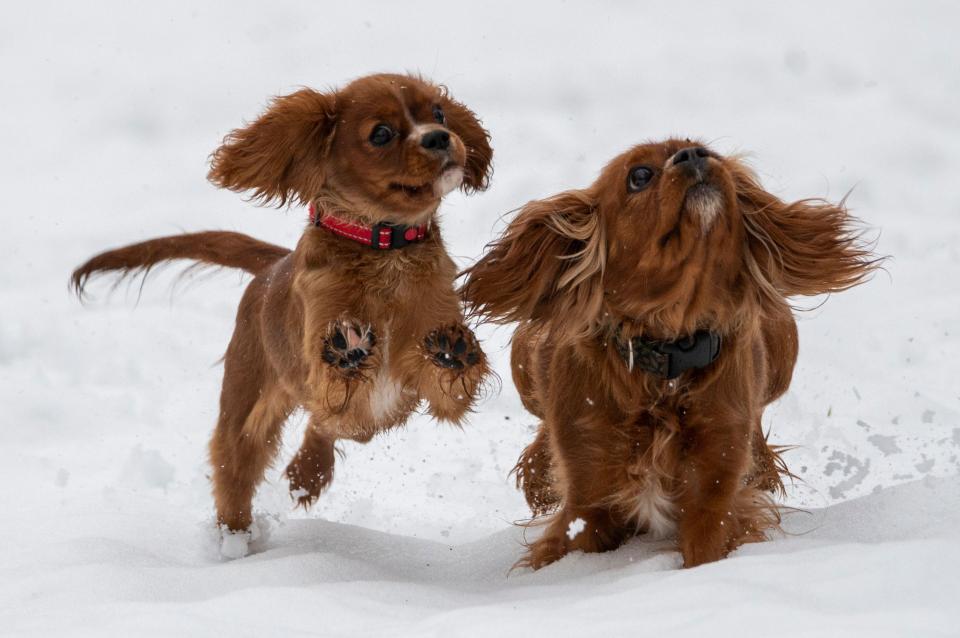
(576,526)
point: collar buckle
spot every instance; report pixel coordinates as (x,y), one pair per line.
(388,236)
(669,359)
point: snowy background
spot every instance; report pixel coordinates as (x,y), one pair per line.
(107,114)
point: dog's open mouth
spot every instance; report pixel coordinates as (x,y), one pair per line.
(450,177)
(411,190)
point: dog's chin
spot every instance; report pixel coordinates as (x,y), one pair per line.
(704,202)
(449,180)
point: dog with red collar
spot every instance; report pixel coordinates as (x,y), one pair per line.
(360,324)
(380,236)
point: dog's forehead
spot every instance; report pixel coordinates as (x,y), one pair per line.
(391,94)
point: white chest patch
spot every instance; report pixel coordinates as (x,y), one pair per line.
(645,503)
(385,396)
(654,510)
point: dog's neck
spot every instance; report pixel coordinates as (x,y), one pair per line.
(380,235)
(667,359)
(332,202)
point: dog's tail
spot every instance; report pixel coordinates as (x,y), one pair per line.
(213,248)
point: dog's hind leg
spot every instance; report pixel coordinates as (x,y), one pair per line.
(311,469)
(253,408)
(241,450)
(534,475)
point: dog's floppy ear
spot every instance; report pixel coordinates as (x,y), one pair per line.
(809,247)
(476,139)
(548,264)
(281,155)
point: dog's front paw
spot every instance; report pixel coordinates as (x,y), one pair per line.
(534,478)
(236,544)
(348,345)
(708,538)
(309,475)
(452,347)
(545,550)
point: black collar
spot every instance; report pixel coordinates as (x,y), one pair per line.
(669,359)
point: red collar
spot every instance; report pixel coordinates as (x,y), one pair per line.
(380,236)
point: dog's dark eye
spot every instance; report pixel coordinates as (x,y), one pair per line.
(381,135)
(639,178)
(438,114)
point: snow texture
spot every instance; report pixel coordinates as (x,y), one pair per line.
(110,110)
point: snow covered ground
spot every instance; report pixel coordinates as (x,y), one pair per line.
(108,114)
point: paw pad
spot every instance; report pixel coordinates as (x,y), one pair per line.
(348,345)
(453,347)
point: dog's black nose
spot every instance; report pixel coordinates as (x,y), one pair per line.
(695,154)
(435,141)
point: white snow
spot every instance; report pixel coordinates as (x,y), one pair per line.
(235,544)
(576,526)
(109,113)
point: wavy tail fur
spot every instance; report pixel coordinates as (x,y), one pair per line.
(215,248)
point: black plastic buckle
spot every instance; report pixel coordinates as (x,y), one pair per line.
(375,235)
(397,239)
(695,351)
(670,359)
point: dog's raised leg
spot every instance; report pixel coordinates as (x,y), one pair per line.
(311,469)
(347,355)
(453,370)
(348,346)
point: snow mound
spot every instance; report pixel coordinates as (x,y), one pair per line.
(881,565)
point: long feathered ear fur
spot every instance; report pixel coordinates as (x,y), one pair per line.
(281,155)
(476,139)
(805,248)
(548,264)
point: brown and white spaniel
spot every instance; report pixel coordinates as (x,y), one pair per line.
(360,323)
(654,327)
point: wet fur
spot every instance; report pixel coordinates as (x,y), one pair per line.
(629,452)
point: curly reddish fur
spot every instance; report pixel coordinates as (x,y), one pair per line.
(344,331)
(700,246)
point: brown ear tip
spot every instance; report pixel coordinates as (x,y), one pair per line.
(224,173)
(216,174)
(479,171)
(469,187)
(214,177)
(218,179)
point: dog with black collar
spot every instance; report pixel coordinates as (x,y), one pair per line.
(654,328)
